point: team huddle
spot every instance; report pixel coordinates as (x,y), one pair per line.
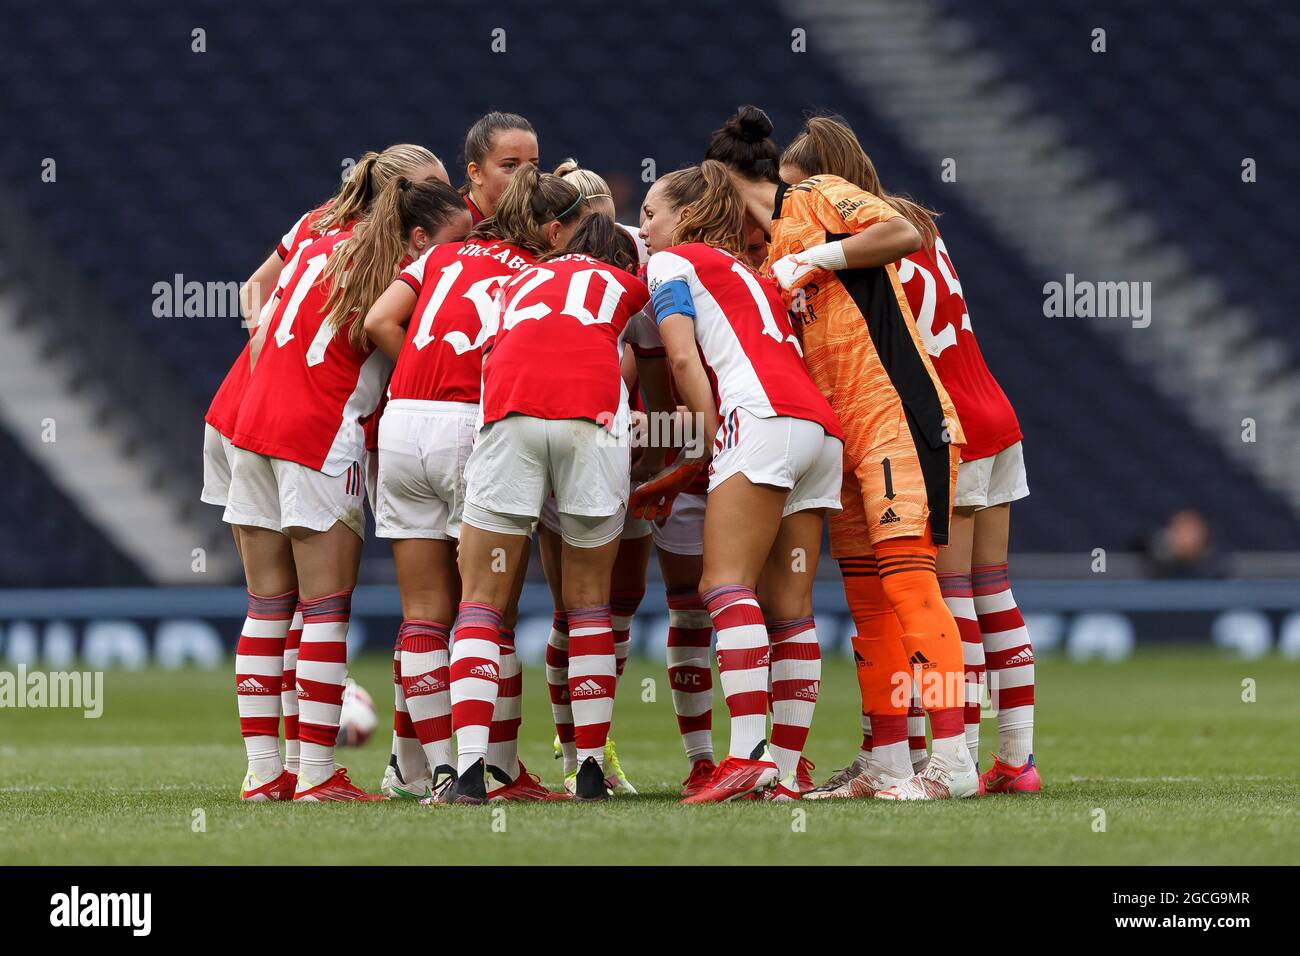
(781,345)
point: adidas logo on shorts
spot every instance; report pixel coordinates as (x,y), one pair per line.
(889,517)
(588,688)
(250,685)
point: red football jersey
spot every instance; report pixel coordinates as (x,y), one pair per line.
(743,331)
(935,298)
(558,342)
(225,404)
(457,283)
(311,389)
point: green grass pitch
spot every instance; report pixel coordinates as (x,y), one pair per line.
(1184,770)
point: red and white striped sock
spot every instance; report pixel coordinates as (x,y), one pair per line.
(916,728)
(592,676)
(622,609)
(743,663)
(503,735)
(475,674)
(890,751)
(1010,657)
(406,743)
(956,589)
(796,679)
(322,672)
(865,750)
(557,680)
(690,672)
(426,688)
(259,672)
(289,691)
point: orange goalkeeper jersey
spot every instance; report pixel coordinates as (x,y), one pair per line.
(859,337)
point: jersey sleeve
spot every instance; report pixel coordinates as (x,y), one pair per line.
(413,275)
(669,278)
(289,241)
(839,206)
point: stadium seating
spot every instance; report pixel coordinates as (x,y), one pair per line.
(1214,83)
(44,541)
(175,162)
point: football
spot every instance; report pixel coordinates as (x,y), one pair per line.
(357,720)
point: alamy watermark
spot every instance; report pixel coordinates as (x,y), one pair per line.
(74,690)
(1085,299)
(653,430)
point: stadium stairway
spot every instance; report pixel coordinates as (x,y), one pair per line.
(66,367)
(923,68)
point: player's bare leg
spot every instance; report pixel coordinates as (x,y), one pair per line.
(690,669)
(259,659)
(429,583)
(1009,655)
(953,565)
(327,563)
(741,524)
(785,593)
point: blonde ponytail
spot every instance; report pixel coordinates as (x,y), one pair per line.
(362,266)
(371,174)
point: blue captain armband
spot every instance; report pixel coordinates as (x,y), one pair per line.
(673,298)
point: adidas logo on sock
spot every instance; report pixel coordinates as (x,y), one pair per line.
(1024,656)
(428,684)
(889,517)
(588,688)
(250,685)
(920,660)
(484,670)
(808,691)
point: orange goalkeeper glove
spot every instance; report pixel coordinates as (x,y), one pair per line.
(653,501)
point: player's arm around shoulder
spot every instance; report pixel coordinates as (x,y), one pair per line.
(878,233)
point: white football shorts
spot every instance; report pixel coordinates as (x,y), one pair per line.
(217,456)
(423,449)
(519,460)
(784,452)
(277,494)
(994,480)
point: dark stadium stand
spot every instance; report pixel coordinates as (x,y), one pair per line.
(46,541)
(1188,176)
(176,162)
